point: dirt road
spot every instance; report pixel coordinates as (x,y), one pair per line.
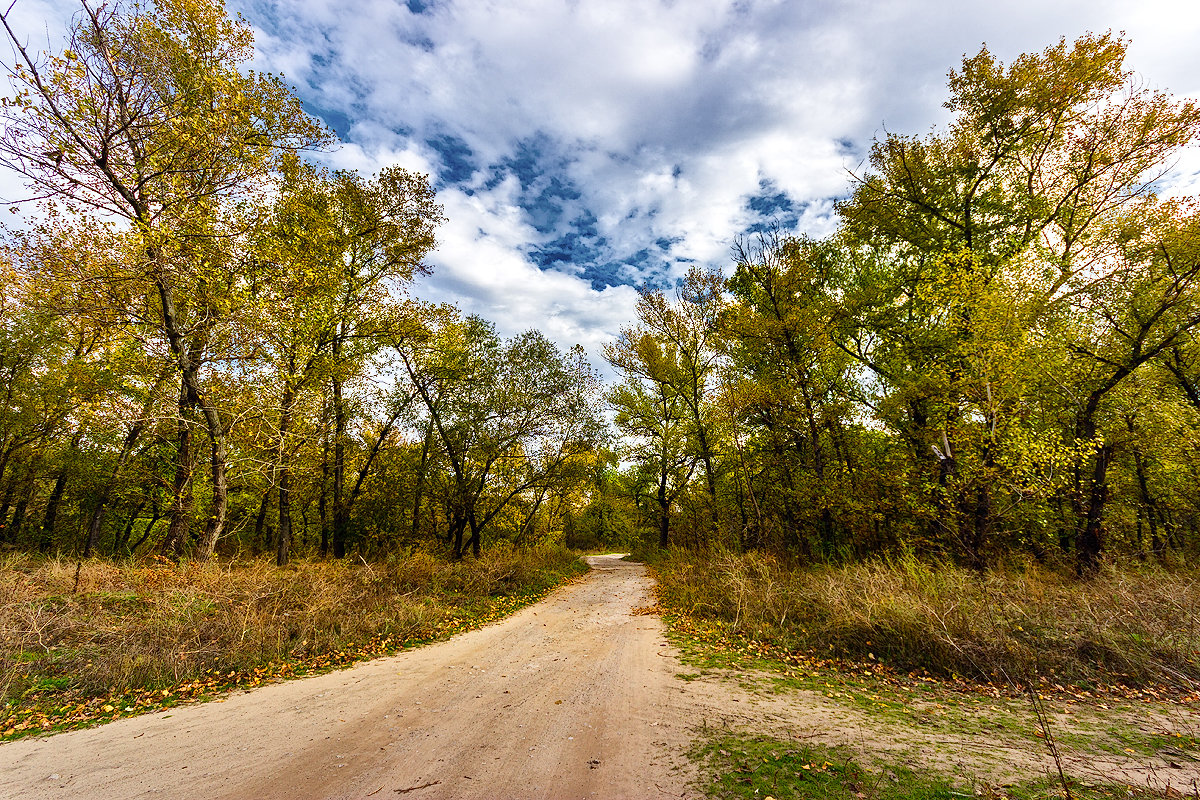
(575,697)
(572,698)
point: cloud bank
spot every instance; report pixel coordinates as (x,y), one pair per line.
(583,148)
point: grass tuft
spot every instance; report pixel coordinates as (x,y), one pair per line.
(759,767)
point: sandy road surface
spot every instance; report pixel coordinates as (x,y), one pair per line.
(572,698)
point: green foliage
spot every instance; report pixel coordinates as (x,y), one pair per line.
(970,366)
(515,421)
(670,368)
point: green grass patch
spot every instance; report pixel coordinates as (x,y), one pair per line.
(743,766)
(760,767)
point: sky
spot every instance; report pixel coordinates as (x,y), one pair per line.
(585,148)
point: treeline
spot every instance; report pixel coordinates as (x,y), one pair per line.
(206,343)
(995,355)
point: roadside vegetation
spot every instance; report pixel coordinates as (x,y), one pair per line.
(84,642)
(924,681)
(1133,627)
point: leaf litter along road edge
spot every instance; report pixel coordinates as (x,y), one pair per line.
(50,711)
(716,691)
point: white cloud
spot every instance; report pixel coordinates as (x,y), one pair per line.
(481,268)
(665,117)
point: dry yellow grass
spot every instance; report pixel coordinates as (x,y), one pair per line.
(1135,625)
(98,627)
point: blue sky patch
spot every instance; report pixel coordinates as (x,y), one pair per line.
(770,201)
(457,159)
(774,209)
(576,251)
(848,148)
(610,273)
(548,195)
(336,120)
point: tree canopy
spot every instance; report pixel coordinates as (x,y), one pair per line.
(209,344)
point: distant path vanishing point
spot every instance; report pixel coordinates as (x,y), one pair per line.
(574,697)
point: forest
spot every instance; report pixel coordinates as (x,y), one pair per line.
(210,348)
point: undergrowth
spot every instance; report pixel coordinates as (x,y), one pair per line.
(1134,627)
(83,642)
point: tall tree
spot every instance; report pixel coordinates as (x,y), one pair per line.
(674,346)
(778,334)
(510,417)
(337,251)
(652,420)
(1145,302)
(972,239)
(146,115)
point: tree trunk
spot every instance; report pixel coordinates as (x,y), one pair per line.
(18,517)
(340,521)
(664,508)
(710,478)
(135,432)
(188,355)
(1148,502)
(8,492)
(1090,496)
(825,525)
(175,543)
(476,544)
(260,520)
(530,518)
(149,529)
(322,505)
(418,491)
(5,505)
(458,524)
(1089,541)
(121,539)
(46,542)
(283,538)
(220,490)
